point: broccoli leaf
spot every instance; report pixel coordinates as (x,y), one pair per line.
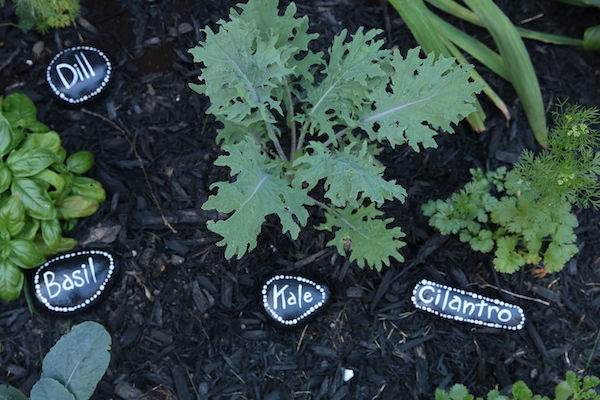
(363,233)
(348,174)
(258,191)
(423,94)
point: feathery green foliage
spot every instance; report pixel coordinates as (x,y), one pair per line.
(572,388)
(46,14)
(333,113)
(41,192)
(525,214)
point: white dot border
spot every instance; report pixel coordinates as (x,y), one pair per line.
(424,282)
(87,97)
(295,321)
(88,301)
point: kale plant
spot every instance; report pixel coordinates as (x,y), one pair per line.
(72,368)
(270,92)
(42,192)
(573,388)
(525,214)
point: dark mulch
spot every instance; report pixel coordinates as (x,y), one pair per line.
(186,323)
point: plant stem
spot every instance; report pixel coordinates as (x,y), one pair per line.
(291,123)
(303,131)
(337,135)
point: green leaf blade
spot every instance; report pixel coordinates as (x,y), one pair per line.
(257,192)
(79,359)
(363,233)
(11,280)
(47,388)
(349,175)
(433,91)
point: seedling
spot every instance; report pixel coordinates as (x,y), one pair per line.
(72,368)
(525,214)
(271,92)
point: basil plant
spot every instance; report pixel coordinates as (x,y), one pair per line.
(42,192)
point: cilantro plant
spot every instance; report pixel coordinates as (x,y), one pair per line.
(573,388)
(524,215)
(42,192)
(72,368)
(300,129)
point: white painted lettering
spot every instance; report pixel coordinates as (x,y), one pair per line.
(59,70)
(49,281)
(91,263)
(279,294)
(308,297)
(422,294)
(507,315)
(455,303)
(77,279)
(67,283)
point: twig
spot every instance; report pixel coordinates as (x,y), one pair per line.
(520,296)
(137,155)
(9,59)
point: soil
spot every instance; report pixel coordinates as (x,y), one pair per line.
(186,323)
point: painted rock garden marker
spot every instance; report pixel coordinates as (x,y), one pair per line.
(75,281)
(290,299)
(78,74)
(464,306)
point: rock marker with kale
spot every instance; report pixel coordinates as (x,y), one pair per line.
(78,74)
(290,300)
(464,306)
(75,281)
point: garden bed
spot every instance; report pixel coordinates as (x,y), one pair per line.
(187,324)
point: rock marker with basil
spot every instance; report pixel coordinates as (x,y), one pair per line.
(75,281)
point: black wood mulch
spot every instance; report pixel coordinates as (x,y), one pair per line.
(186,323)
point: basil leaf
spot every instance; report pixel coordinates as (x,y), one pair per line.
(35,198)
(51,232)
(48,140)
(29,230)
(11,280)
(19,108)
(77,207)
(11,393)
(80,162)
(88,187)
(65,244)
(5,178)
(12,215)
(25,254)
(37,127)
(6,135)
(26,162)
(47,388)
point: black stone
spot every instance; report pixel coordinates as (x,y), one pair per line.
(75,281)
(464,306)
(78,74)
(290,300)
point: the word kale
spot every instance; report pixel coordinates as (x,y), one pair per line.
(301,129)
(524,215)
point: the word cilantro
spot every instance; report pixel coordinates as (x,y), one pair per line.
(524,215)
(332,114)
